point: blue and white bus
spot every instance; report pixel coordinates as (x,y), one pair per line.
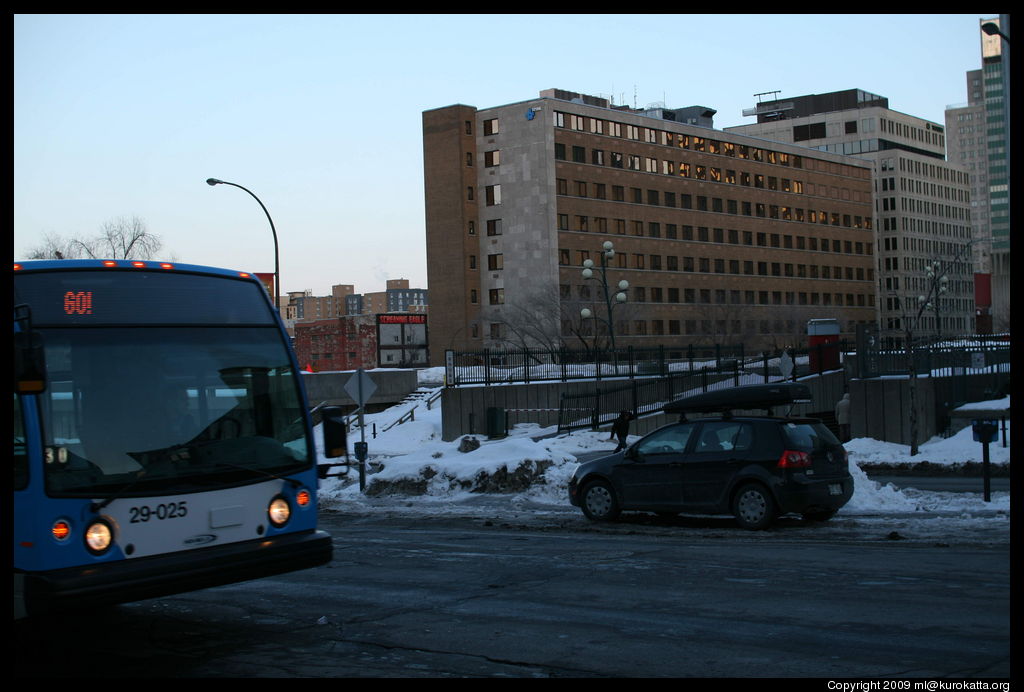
(162,441)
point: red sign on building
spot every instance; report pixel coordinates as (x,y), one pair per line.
(268,282)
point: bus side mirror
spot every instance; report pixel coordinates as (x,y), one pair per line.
(335,431)
(29,363)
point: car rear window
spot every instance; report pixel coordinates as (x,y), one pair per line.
(808,436)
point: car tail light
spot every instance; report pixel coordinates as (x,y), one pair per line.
(791,459)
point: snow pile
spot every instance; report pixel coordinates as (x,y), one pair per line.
(412,463)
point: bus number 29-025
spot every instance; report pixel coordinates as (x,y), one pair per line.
(170,510)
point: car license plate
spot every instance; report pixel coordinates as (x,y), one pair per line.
(835,489)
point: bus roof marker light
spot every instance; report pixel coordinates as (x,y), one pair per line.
(109,263)
(139,264)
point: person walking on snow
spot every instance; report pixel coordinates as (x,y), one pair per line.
(620,429)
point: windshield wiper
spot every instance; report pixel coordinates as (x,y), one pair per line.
(95,507)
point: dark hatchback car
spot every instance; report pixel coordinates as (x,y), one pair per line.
(755,467)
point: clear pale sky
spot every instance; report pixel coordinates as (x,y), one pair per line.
(320,115)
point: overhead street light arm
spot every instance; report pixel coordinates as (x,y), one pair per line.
(992,29)
(277,268)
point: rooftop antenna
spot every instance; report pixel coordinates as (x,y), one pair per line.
(776,114)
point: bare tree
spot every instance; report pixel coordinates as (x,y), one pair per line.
(54,247)
(529,321)
(120,238)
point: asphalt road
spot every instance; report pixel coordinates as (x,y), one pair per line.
(556,596)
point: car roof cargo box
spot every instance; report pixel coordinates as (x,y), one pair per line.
(758,396)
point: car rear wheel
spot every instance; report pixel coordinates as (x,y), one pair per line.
(599,503)
(754,507)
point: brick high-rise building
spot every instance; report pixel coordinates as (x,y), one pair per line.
(722,237)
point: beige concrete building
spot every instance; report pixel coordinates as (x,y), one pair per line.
(922,202)
(722,237)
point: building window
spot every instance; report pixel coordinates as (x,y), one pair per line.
(495,262)
(491,126)
(491,158)
(493,194)
(496,296)
(494,227)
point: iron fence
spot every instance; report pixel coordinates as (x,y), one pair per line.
(948,357)
(505,366)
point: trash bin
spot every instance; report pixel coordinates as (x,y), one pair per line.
(495,422)
(823,344)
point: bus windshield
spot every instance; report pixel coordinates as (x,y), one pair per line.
(160,383)
(155,409)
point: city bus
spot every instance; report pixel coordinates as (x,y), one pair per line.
(162,441)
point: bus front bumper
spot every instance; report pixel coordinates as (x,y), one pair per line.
(123,581)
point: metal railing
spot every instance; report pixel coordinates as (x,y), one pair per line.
(937,357)
(524,366)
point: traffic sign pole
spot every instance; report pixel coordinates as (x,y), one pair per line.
(360,387)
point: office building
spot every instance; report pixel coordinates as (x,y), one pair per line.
(922,202)
(967,145)
(996,68)
(722,237)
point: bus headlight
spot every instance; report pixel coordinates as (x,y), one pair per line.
(99,537)
(279,512)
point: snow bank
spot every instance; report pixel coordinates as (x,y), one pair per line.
(534,464)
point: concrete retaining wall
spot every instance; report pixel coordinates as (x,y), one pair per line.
(393,385)
(880,407)
(464,409)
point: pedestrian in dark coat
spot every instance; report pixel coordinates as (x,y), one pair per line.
(620,429)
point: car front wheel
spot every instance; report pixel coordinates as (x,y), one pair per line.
(754,507)
(599,503)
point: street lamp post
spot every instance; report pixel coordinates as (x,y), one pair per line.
(938,285)
(277,267)
(607,252)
